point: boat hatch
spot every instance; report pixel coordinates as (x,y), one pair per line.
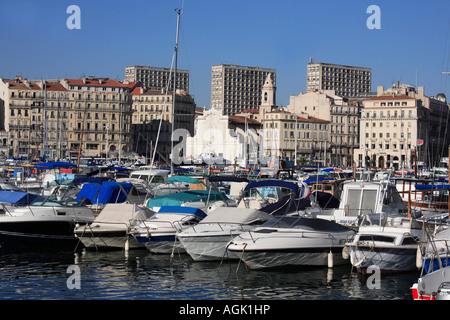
(60,213)
(409,240)
(376,238)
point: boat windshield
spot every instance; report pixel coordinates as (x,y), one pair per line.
(361,201)
(54,201)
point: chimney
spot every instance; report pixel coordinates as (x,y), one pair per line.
(420,92)
(380,90)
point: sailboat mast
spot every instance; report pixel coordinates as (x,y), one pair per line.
(174,90)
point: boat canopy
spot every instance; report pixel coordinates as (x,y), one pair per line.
(432,186)
(177,199)
(186,179)
(272,183)
(106,192)
(227,178)
(53,165)
(123,213)
(17,197)
(98,180)
(179,209)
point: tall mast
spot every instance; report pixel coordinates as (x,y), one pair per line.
(174,91)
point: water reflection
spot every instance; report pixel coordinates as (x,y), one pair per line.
(141,275)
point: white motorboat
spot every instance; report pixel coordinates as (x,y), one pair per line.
(29,220)
(358,198)
(388,242)
(159,232)
(261,200)
(292,241)
(207,240)
(111,228)
(157,181)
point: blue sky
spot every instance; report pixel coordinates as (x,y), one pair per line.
(412,46)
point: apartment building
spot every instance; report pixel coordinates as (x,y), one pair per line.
(289,136)
(153,112)
(346,81)
(67,118)
(238,88)
(156,78)
(342,115)
(400,124)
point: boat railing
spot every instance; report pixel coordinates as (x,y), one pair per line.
(4,209)
(177,225)
(221,227)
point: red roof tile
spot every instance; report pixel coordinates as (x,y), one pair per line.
(390,97)
(97,82)
(239,119)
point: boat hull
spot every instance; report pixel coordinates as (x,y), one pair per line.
(427,286)
(387,259)
(108,240)
(38,232)
(267,259)
(210,247)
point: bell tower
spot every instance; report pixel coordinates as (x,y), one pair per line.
(267,96)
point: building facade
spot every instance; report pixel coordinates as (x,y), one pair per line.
(155,78)
(238,88)
(401,127)
(67,118)
(289,136)
(343,122)
(153,113)
(346,81)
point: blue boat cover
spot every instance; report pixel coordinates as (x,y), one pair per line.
(180,209)
(431,186)
(107,192)
(17,197)
(53,165)
(272,183)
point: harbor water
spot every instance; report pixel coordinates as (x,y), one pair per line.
(141,275)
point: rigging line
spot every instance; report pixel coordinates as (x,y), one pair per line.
(163,110)
(445,49)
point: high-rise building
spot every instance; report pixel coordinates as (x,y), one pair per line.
(237,88)
(155,78)
(346,81)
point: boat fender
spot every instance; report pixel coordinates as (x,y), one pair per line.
(330,259)
(127,245)
(419,262)
(352,257)
(345,254)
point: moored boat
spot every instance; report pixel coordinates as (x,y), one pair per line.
(261,201)
(40,222)
(292,241)
(159,232)
(388,242)
(111,228)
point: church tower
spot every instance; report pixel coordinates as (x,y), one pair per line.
(268,97)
